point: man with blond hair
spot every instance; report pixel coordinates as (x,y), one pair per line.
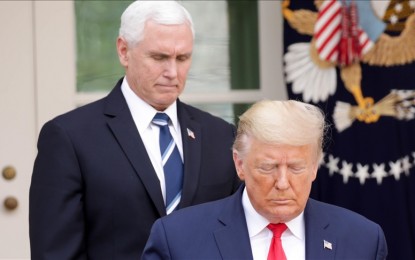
(276,153)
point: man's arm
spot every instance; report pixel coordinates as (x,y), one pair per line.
(156,247)
(56,216)
(382,251)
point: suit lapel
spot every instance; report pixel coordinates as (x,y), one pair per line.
(122,126)
(233,237)
(191,132)
(320,240)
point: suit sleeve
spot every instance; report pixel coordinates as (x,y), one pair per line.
(157,245)
(382,251)
(56,222)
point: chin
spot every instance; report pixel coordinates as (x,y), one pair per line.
(284,215)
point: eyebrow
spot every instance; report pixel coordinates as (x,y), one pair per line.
(151,53)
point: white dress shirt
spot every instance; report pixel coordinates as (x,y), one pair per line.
(293,239)
(143,114)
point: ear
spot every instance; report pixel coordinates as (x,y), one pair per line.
(238,165)
(316,166)
(314,172)
(122,50)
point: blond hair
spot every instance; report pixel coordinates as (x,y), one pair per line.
(281,122)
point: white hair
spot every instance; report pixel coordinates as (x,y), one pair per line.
(281,122)
(136,15)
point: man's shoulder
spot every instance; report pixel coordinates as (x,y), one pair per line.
(337,213)
(85,117)
(78,114)
(91,109)
(207,212)
(200,210)
(347,228)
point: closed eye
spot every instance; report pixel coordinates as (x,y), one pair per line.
(297,169)
(159,57)
(183,57)
(267,169)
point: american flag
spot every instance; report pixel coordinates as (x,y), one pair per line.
(333,33)
(327,245)
(190,133)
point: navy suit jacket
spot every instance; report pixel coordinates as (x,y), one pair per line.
(94,192)
(218,230)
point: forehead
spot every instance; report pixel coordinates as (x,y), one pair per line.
(168,34)
(262,150)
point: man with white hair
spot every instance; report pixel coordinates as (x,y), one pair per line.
(106,171)
(276,153)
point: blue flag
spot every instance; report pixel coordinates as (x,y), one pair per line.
(359,67)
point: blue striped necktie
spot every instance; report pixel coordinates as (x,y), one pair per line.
(172,162)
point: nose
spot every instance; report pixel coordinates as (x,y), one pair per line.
(281,179)
(170,69)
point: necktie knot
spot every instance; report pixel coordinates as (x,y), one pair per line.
(277,229)
(161,119)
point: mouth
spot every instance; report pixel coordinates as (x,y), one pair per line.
(280,201)
(167,85)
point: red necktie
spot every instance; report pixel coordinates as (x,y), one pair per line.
(276,252)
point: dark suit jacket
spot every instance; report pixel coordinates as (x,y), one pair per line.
(218,230)
(94,192)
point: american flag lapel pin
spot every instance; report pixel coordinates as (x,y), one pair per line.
(190,133)
(327,245)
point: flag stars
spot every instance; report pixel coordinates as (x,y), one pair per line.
(379,172)
(398,7)
(332,165)
(393,19)
(362,173)
(346,171)
(406,165)
(396,169)
(403,165)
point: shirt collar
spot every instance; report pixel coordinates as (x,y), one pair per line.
(255,222)
(144,113)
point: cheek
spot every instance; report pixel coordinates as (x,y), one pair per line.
(146,67)
(261,189)
(183,70)
(148,75)
(302,186)
(262,183)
